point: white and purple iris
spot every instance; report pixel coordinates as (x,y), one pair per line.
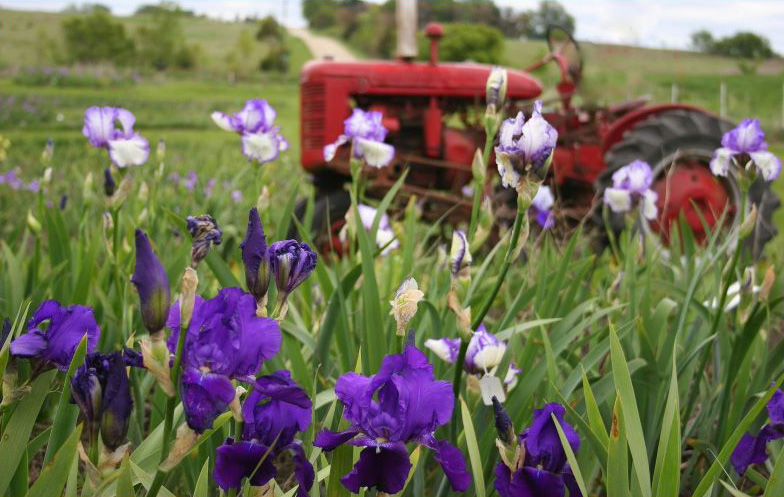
(273,413)
(631,186)
(385,235)
(542,207)
(225,340)
(366,133)
(751,449)
(524,146)
(402,403)
(484,353)
(544,470)
(747,138)
(261,139)
(126,147)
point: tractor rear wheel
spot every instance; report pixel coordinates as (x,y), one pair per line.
(678,145)
(329,217)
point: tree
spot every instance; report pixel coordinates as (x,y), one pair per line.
(745,45)
(162,42)
(702,41)
(550,13)
(269,29)
(468,41)
(97,38)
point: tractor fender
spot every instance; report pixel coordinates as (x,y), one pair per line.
(615,131)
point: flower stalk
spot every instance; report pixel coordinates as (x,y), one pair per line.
(511,250)
(190,281)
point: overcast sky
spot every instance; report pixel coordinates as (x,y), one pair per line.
(656,23)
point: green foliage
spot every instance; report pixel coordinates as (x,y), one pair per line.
(743,45)
(162,43)
(269,28)
(97,38)
(164,7)
(549,13)
(467,41)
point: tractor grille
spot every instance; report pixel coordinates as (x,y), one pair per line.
(313,115)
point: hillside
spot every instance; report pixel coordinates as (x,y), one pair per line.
(27,38)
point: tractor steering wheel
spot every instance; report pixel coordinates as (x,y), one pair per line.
(563,45)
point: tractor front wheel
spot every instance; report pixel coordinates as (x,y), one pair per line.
(329,217)
(678,145)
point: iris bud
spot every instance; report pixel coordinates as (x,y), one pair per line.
(291,262)
(405,304)
(254,256)
(33,223)
(459,255)
(190,280)
(152,283)
(205,231)
(109,186)
(495,89)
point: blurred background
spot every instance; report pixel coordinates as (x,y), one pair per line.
(173,63)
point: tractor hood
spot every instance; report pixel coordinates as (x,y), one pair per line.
(449,79)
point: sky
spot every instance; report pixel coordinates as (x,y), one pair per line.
(652,23)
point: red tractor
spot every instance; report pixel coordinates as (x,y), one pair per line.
(434,111)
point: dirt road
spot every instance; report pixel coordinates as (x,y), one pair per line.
(322,46)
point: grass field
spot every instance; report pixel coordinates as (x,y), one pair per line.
(176,106)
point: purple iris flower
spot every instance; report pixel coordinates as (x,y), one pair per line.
(274,412)
(11,179)
(366,132)
(746,139)
(261,140)
(544,470)
(209,187)
(126,147)
(254,255)
(205,232)
(101,390)
(290,262)
(485,350)
(542,207)
(751,449)
(225,340)
(191,178)
(236,196)
(34,186)
(632,186)
(152,283)
(57,342)
(524,146)
(402,403)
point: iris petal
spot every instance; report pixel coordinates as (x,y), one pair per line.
(384,468)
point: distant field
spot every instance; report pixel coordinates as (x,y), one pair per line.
(176,107)
(24,35)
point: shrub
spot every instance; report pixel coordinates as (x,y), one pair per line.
(162,44)
(97,38)
(467,41)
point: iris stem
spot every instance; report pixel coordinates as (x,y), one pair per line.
(93,455)
(168,420)
(480,316)
(706,353)
(479,187)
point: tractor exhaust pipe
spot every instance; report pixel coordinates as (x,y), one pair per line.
(406,17)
